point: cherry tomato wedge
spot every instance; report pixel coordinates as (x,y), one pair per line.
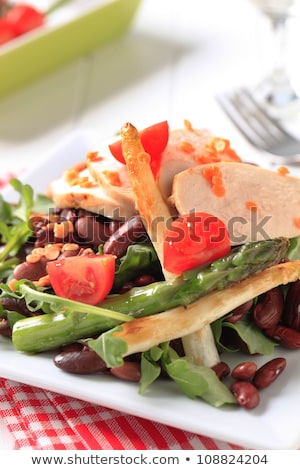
(154,140)
(194,239)
(7,31)
(24,18)
(86,279)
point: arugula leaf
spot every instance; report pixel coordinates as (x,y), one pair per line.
(140,258)
(37,300)
(14,226)
(218,394)
(150,369)
(110,348)
(187,377)
(196,381)
(13,317)
(250,334)
(293,252)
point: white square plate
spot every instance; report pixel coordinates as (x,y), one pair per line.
(274,424)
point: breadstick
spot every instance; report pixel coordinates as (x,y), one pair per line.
(155,213)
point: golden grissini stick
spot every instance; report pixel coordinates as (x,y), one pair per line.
(199,345)
(148,199)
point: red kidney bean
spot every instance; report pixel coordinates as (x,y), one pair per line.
(221,369)
(291,311)
(246,394)
(37,222)
(91,231)
(131,231)
(144,280)
(5,329)
(31,271)
(177,345)
(126,287)
(68,214)
(84,361)
(72,347)
(285,336)
(113,226)
(239,312)
(269,372)
(244,370)
(45,235)
(130,371)
(267,313)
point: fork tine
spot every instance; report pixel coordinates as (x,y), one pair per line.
(260,129)
(267,126)
(240,118)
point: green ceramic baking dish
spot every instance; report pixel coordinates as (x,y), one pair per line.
(34,55)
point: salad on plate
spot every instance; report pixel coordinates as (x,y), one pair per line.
(150,261)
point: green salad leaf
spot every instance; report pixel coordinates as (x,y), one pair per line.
(247,331)
(150,367)
(293,252)
(14,224)
(193,380)
(140,258)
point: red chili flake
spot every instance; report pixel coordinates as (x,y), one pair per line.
(214,176)
(221,147)
(188,125)
(113,177)
(186,146)
(283,171)
(252,206)
(94,157)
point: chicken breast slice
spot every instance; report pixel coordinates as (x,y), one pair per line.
(254,203)
(186,148)
(88,194)
(111,175)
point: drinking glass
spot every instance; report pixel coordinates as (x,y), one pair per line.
(277,91)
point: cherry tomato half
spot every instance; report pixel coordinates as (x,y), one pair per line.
(86,279)
(194,239)
(154,140)
(7,31)
(24,18)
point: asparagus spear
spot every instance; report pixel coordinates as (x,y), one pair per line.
(142,334)
(239,264)
(64,325)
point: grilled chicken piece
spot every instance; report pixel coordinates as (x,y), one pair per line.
(187,148)
(112,176)
(84,192)
(178,156)
(102,184)
(253,202)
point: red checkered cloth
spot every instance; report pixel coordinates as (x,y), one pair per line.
(42,420)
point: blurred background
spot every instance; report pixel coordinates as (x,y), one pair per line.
(169,64)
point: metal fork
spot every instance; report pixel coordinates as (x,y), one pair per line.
(260,129)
